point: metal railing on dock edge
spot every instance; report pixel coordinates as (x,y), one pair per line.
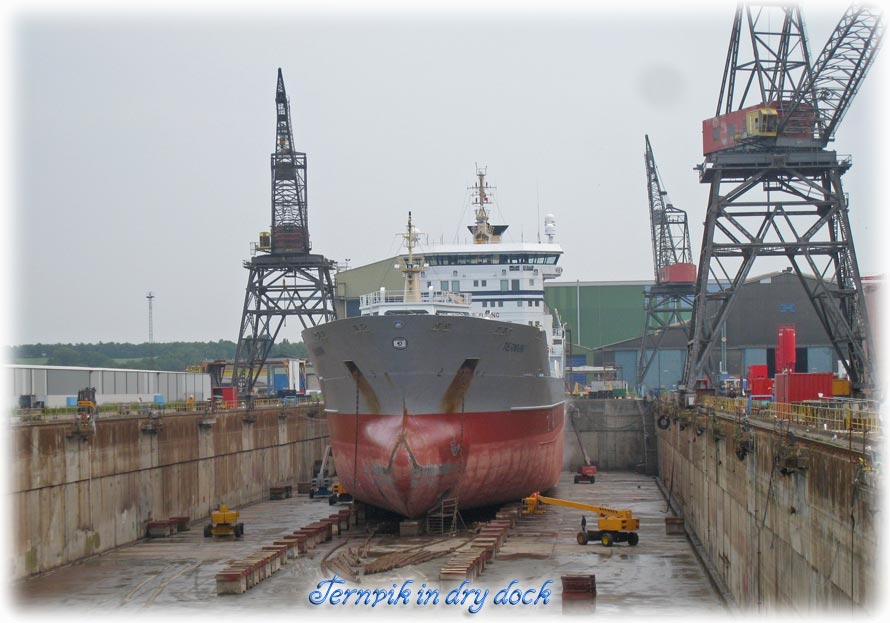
(146,409)
(828,415)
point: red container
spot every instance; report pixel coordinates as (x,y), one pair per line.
(799,386)
(786,349)
(228,395)
(677,273)
(760,387)
(759,371)
(779,389)
(759,384)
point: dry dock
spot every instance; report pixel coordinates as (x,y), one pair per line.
(784,513)
(661,575)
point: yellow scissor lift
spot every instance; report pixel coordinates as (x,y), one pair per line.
(613,526)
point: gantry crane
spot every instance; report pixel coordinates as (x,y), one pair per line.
(775,190)
(669,300)
(285,279)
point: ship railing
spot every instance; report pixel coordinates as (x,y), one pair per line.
(442,297)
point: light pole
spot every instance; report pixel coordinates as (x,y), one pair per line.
(151,333)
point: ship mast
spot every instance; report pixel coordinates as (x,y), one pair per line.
(482,230)
(412,266)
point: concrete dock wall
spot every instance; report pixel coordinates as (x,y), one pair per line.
(74,496)
(612,433)
(780,539)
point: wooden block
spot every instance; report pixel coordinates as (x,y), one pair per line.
(290,543)
(311,537)
(231,582)
(578,586)
(410,527)
(258,566)
(274,562)
(158,529)
(280,552)
(324,527)
(251,573)
(302,544)
(674,525)
(452,574)
(182,524)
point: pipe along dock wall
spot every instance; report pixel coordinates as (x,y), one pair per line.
(791,527)
(77,495)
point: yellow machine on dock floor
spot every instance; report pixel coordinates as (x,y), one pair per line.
(224,522)
(339,495)
(86,405)
(613,526)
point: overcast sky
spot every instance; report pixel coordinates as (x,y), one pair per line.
(140,145)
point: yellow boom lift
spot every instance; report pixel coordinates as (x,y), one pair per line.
(613,526)
(224,522)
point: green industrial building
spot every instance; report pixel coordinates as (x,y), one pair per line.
(351,284)
(598,312)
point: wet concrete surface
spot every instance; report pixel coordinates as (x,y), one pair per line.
(660,576)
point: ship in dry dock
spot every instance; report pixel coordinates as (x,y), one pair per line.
(453,388)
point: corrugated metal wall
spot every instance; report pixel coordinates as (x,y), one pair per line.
(609,313)
(820,359)
(760,307)
(626,362)
(753,357)
(52,385)
(666,369)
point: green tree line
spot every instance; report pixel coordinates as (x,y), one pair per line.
(157,356)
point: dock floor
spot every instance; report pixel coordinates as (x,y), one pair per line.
(660,576)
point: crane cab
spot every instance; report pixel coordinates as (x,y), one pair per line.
(762,122)
(729,130)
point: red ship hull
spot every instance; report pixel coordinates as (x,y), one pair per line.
(409,463)
(421,408)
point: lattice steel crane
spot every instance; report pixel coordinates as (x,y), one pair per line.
(285,279)
(669,301)
(775,190)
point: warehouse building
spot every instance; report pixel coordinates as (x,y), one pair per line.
(762,305)
(57,386)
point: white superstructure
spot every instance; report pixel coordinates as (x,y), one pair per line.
(487,279)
